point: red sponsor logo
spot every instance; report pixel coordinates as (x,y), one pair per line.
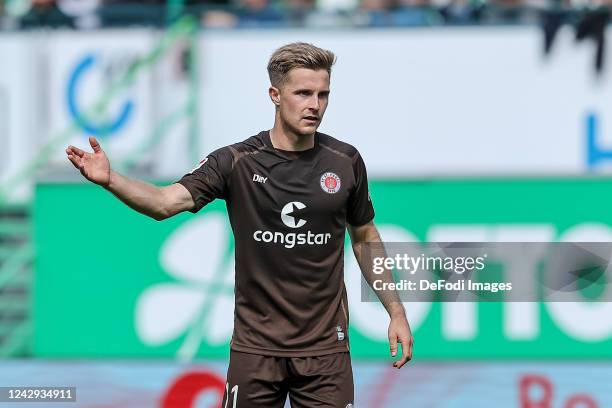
(536,391)
(185,389)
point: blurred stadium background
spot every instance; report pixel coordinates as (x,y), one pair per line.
(479,120)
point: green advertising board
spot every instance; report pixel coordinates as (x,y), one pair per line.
(113,283)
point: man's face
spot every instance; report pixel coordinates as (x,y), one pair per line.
(302,99)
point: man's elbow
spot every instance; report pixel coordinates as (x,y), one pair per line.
(159,217)
(162,214)
(166,207)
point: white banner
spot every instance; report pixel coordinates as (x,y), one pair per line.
(433,101)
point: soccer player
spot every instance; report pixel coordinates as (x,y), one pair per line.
(291,193)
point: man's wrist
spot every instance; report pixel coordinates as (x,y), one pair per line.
(396,310)
(111,178)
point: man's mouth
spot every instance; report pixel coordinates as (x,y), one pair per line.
(312,118)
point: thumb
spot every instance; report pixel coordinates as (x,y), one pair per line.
(393,345)
(94,144)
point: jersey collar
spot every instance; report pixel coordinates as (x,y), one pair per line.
(290,155)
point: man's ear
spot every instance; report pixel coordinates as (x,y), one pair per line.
(274,95)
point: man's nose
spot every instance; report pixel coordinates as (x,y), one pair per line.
(314,103)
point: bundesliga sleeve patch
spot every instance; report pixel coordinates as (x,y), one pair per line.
(330,182)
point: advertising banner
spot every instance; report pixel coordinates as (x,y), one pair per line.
(81,89)
(201,384)
(107,275)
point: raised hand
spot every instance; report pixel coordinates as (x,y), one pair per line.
(95,166)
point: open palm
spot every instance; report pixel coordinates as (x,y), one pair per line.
(95,166)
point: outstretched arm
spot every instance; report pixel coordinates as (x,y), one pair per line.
(399,329)
(156,202)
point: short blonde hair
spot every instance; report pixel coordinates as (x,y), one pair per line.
(298,55)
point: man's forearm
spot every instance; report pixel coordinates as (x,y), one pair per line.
(138,195)
(389,298)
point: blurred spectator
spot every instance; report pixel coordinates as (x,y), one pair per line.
(374,13)
(10,12)
(334,6)
(462,11)
(132,2)
(219,19)
(297,12)
(84,12)
(4,23)
(258,13)
(386,13)
(416,13)
(88,14)
(249,13)
(16,8)
(45,13)
(509,12)
(121,13)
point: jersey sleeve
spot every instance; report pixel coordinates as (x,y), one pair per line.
(360,209)
(209,180)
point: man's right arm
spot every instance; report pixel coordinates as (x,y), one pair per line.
(156,202)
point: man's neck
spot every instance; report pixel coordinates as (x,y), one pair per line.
(283,139)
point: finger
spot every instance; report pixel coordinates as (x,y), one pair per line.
(410,346)
(76,161)
(94,144)
(75,150)
(405,356)
(393,345)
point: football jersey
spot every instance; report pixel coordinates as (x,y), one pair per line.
(288,212)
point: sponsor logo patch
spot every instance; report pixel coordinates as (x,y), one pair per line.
(259,179)
(292,217)
(290,214)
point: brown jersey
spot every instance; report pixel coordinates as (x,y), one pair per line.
(288,212)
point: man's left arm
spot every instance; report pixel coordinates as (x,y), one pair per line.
(399,329)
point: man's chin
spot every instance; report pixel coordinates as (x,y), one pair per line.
(303,130)
(307,130)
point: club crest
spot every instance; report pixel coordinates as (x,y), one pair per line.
(330,182)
